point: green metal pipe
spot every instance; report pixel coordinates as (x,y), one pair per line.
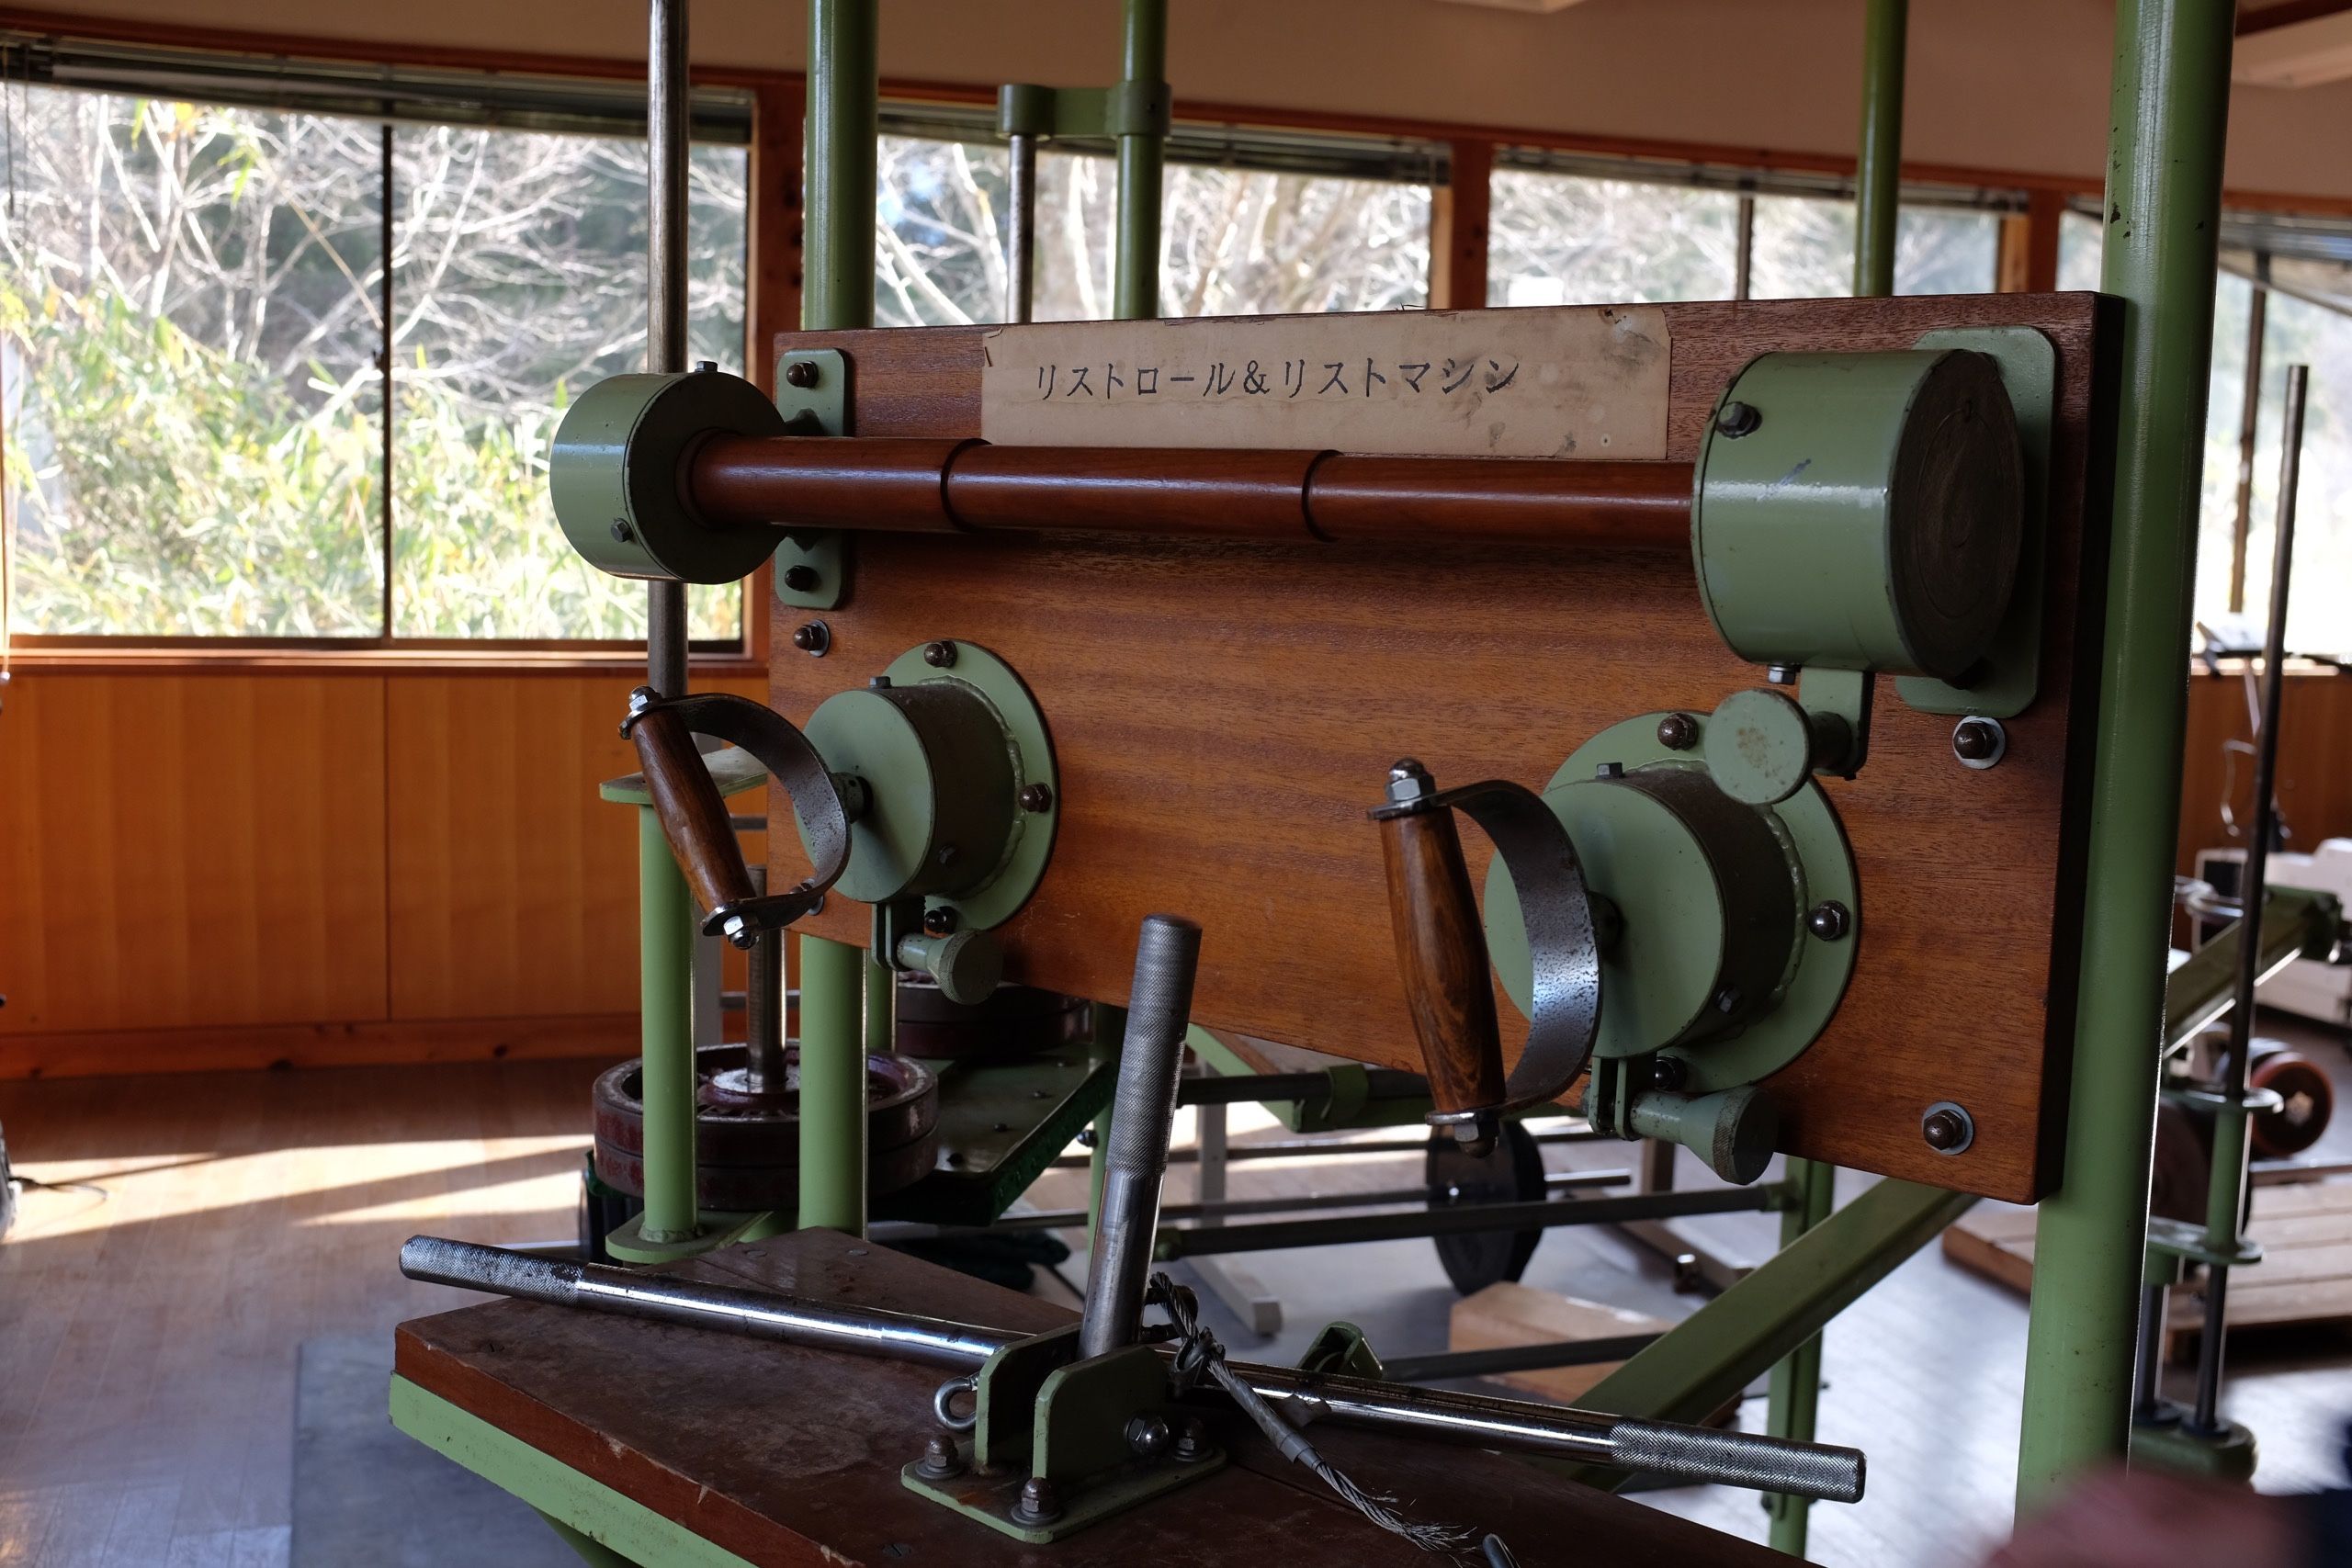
(1879,177)
(665,966)
(1143,56)
(837,287)
(833,1086)
(2169,110)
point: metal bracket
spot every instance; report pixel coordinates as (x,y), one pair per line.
(1342,1349)
(1123,109)
(812,564)
(2028,364)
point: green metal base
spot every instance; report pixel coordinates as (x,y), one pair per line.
(994,1500)
(2171,1444)
(1001,1124)
(629,1244)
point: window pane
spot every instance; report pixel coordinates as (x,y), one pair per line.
(1565,240)
(188,297)
(519,279)
(1248,244)
(1805,249)
(2078,251)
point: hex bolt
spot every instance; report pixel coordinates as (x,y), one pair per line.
(1037,797)
(1783,674)
(813,639)
(1948,1128)
(939,920)
(801,373)
(1979,742)
(622,533)
(1610,771)
(939,655)
(1829,919)
(1192,1440)
(705,366)
(1147,1438)
(1727,1000)
(878,683)
(1668,1073)
(939,1459)
(1678,732)
(1041,1501)
(1736,419)
(1408,781)
(800,579)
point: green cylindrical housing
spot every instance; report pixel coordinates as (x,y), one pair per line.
(937,768)
(1861,510)
(833,1086)
(617,469)
(666,963)
(2169,107)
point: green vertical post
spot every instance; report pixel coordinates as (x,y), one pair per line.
(881,981)
(1879,177)
(837,291)
(2170,106)
(1795,1402)
(833,1086)
(666,1043)
(1143,56)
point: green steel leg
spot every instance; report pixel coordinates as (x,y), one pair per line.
(1718,1350)
(1879,179)
(1796,1382)
(837,287)
(2169,110)
(1144,58)
(593,1552)
(665,963)
(833,1086)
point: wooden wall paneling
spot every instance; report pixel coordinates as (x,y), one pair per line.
(2314,761)
(1222,714)
(187,850)
(1459,214)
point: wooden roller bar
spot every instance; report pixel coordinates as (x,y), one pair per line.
(913,484)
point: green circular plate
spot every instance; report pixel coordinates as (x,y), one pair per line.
(1642,992)
(1031,843)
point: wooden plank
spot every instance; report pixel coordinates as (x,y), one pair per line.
(786,1455)
(1460,213)
(248,1047)
(1223,713)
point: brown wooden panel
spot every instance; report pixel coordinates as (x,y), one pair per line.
(513,887)
(1224,713)
(788,1456)
(190,850)
(604,1037)
(2314,761)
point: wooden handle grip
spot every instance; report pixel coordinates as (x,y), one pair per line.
(694,816)
(1441,951)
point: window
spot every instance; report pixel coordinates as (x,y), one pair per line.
(1236,242)
(193,314)
(1567,240)
(1805,249)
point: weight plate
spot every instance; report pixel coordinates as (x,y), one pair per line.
(1018,1021)
(2307,1100)
(1512,1172)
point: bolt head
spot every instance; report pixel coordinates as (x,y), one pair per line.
(622,532)
(1609,770)
(878,683)
(1979,742)
(1829,921)
(1408,782)
(1668,1073)
(801,373)
(641,698)
(1782,674)
(1947,1130)
(1736,419)
(1192,1440)
(812,639)
(1147,1438)
(705,367)
(940,1460)
(939,920)
(1037,797)
(1678,732)
(800,579)
(939,655)
(1040,1500)
(738,932)
(1727,1000)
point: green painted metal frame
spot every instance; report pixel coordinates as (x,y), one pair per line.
(666,923)
(2169,113)
(833,1085)
(1142,64)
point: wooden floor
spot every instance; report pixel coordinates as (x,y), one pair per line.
(148,1342)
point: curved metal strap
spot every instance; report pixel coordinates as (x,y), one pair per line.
(1563,1014)
(793,763)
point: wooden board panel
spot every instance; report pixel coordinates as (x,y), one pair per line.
(184,851)
(2314,761)
(604,1037)
(786,1455)
(1223,713)
(513,887)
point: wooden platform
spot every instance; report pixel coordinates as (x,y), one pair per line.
(783,1456)
(2305,1275)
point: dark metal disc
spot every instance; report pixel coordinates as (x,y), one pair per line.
(1018,1021)
(1512,1172)
(2307,1100)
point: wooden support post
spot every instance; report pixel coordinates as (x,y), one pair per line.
(1458,228)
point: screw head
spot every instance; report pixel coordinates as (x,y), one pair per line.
(1829,919)
(622,532)
(939,655)
(801,373)
(1727,1000)
(1037,797)
(1948,1128)
(813,639)
(939,1459)
(1979,742)
(1147,1438)
(1192,1440)
(1040,1500)
(1678,732)
(800,579)
(1736,419)
(1668,1073)
(939,920)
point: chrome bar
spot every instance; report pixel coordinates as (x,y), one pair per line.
(1019,248)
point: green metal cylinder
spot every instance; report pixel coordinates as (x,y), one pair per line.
(833,1086)
(613,475)
(1142,161)
(665,964)
(2169,109)
(1879,179)
(837,285)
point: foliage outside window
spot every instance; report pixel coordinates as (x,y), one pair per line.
(1237,243)
(1805,249)
(192,312)
(1566,240)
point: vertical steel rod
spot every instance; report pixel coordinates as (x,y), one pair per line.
(2257,310)
(837,291)
(1143,60)
(764,1015)
(1020,246)
(1159,1012)
(2169,109)
(665,914)
(1743,265)
(2225,1200)
(1878,178)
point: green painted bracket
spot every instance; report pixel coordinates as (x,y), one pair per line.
(1123,109)
(2172,1444)
(2187,1240)
(1341,1349)
(627,1529)
(2029,365)
(1718,1350)
(1001,1124)
(2295,923)
(628,1243)
(812,564)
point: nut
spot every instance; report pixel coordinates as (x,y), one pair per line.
(1678,732)
(622,533)
(1192,1440)
(1829,919)
(1037,797)
(1736,419)
(1979,742)
(1147,1438)
(939,1459)
(1668,1073)
(801,373)
(939,655)
(939,920)
(813,639)
(800,579)
(1948,1128)
(1041,1500)
(1408,782)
